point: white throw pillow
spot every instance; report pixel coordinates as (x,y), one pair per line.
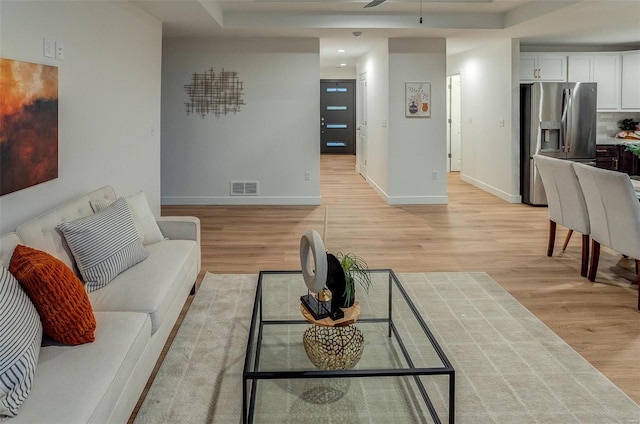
(143,218)
(20,341)
(104,244)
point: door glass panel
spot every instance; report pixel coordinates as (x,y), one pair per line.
(336,108)
(336,89)
(336,144)
(334,126)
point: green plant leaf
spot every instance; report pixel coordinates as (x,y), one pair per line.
(355,271)
(634,148)
(627,124)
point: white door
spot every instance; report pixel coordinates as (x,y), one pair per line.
(455,125)
(361,111)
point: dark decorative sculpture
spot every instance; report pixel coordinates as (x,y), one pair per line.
(336,283)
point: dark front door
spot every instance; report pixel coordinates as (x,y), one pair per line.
(337,116)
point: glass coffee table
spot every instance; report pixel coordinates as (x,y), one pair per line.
(401,374)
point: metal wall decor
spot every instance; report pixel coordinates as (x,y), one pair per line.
(215,93)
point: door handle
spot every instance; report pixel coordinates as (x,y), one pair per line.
(566,103)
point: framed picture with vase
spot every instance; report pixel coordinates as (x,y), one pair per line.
(417,99)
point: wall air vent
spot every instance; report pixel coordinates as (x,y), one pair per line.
(244,188)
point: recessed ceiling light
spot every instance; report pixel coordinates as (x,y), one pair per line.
(341,50)
(343,64)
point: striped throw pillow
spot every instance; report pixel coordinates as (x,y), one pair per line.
(20,340)
(143,218)
(104,244)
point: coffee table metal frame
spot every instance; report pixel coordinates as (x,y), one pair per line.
(250,375)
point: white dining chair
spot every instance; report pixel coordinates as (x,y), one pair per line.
(614,214)
(566,203)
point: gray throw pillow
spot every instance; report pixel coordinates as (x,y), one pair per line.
(104,244)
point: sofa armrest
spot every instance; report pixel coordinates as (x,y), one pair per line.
(180,227)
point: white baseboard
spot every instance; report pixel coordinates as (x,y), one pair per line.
(241,200)
(408,200)
(511,198)
(418,200)
(378,189)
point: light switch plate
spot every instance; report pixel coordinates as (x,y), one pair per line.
(48,48)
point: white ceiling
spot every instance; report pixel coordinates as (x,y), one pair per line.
(584,24)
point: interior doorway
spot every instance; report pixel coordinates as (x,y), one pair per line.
(454,128)
(361,112)
(337,116)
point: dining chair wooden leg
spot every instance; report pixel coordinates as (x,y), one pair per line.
(552,237)
(566,240)
(585,255)
(595,257)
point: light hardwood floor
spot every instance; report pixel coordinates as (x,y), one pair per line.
(476,231)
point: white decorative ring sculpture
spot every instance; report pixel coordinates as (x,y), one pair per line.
(312,242)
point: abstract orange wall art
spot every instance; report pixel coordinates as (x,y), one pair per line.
(28,124)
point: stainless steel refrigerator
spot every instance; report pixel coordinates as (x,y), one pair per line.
(559,120)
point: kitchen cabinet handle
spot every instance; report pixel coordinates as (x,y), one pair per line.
(615,164)
(601,150)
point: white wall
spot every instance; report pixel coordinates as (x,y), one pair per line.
(402,153)
(346,72)
(490,151)
(274,138)
(109,98)
(376,65)
(417,146)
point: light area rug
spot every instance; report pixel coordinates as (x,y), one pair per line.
(510,367)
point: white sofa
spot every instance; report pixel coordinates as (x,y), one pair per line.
(101,382)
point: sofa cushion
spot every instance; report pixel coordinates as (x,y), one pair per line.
(82,384)
(143,218)
(57,294)
(41,232)
(104,244)
(19,344)
(150,286)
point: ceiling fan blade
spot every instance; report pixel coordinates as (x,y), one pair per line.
(374,3)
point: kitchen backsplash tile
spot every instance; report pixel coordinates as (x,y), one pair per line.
(607,125)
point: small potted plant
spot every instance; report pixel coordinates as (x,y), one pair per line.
(629,129)
(344,271)
(627,124)
(355,271)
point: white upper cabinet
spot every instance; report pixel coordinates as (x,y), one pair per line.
(606,72)
(528,67)
(631,81)
(543,67)
(617,74)
(580,68)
